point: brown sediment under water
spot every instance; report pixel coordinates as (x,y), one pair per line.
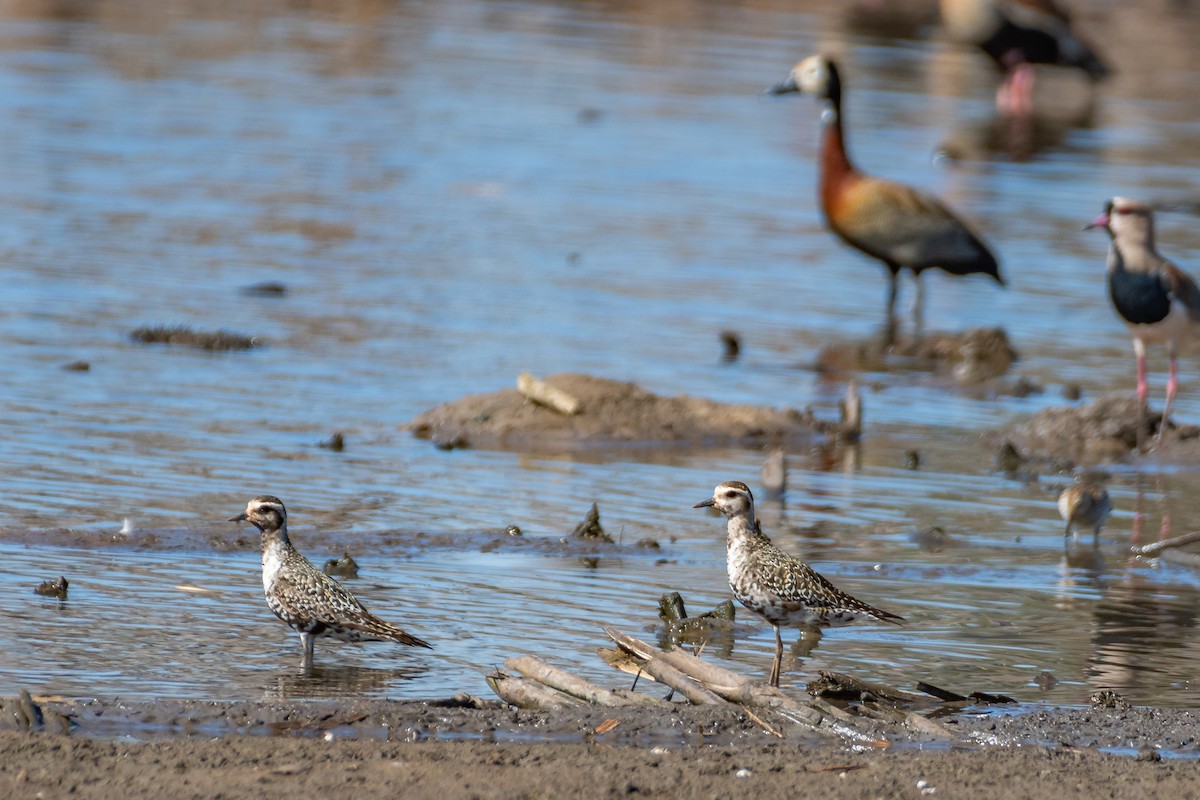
(452,193)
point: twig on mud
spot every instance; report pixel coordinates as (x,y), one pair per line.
(538,670)
(526,693)
(1154,548)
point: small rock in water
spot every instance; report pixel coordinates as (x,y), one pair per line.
(344,567)
(648,544)
(336,443)
(731,345)
(512,530)
(56,587)
(912,459)
(671,608)
(1046,681)
(774,475)
(1008,459)
(933,539)
(77,366)
(265,289)
(1072,391)
(590,527)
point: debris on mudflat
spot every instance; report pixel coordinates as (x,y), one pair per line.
(1107,429)
(265,289)
(549,396)
(731,346)
(696,630)
(1008,459)
(336,443)
(187,337)
(344,567)
(912,459)
(851,414)
(969,357)
(55,587)
(773,475)
(590,527)
(77,366)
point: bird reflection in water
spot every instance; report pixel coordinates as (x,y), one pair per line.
(337,681)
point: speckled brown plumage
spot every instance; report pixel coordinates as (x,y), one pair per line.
(305,598)
(775,585)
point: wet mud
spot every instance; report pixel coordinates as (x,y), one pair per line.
(384,748)
(1105,430)
(967,358)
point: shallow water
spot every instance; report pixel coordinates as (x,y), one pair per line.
(454,192)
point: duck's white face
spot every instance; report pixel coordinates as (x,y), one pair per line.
(811,76)
(731,499)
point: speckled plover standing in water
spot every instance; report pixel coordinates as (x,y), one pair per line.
(779,587)
(1084,505)
(304,597)
(1158,301)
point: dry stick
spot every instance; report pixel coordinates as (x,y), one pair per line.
(538,670)
(762,723)
(1157,547)
(544,394)
(726,683)
(663,672)
(527,694)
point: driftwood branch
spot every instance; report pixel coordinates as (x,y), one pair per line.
(1155,548)
(544,394)
(537,670)
(526,693)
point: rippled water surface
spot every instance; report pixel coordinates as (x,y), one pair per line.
(455,192)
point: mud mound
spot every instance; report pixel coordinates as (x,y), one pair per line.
(611,413)
(1106,429)
(968,357)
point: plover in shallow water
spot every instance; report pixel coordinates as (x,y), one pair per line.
(779,587)
(304,597)
(1084,505)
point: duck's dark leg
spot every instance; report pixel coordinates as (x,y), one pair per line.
(889,321)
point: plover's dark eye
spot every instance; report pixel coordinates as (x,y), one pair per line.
(731,495)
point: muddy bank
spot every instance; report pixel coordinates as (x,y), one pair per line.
(968,357)
(1103,431)
(562,760)
(610,413)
